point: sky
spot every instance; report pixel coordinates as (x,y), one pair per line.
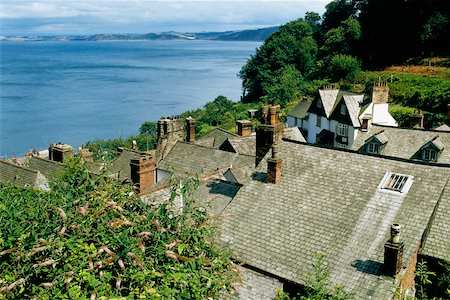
(83,17)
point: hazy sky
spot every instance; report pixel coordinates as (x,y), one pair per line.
(41,17)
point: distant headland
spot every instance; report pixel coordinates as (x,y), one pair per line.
(237,35)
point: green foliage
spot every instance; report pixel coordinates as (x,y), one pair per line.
(293,45)
(344,67)
(317,285)
(343,39)
(284,88)
(148,128)
(336,12)
(423,278)
(91,236)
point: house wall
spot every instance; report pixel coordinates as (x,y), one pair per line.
(313,129)
(407,284)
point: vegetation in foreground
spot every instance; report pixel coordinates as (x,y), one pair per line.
(92,238)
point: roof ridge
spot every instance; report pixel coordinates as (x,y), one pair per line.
(19,166)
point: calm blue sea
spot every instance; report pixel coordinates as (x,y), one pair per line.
(72,92)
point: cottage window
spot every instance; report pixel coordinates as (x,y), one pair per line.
(395,182)
(342,130)
(319,121)
(319,104)
(373,148)
(343,109)
(429,155)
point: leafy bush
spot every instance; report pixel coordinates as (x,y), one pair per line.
(344,67)
(91,237)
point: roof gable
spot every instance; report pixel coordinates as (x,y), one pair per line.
(328,99)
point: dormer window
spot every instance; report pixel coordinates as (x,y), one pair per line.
(431,150)
(373,148)
(429,155)
(343,109)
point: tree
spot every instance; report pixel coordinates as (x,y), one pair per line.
(148,128)
(293,45)
(343,39)
(344,67)
(285,87)
(435,32)
(336,12)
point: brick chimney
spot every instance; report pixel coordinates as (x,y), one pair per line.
(393,252)
(60,152)
(142,171)
(190,127)
(244,127)
(269,132)
(274,166)
(380,92)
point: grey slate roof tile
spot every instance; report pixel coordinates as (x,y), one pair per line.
(405,142)
(328,202)
(217,136)
(329,98)
(437,243)
(193,159)
(47,167)
(300,110)
(18,175)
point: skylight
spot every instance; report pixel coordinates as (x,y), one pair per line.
(396,182)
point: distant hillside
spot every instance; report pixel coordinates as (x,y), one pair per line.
(237,35)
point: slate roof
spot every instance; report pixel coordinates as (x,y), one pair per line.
(193,159)
(300,111)
(241,145)
(443,127)
(353,103)
(47,167)
(330,206)
(437,243)
(405,142)
(18,175)
(293,134)
(215,138)
(329,98)
(120,166)
(254,286)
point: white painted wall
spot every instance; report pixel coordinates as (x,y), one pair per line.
(313,129)
(380,115)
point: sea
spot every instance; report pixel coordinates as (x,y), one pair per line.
(77,91)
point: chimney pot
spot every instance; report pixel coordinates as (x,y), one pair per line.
(393,252)
(190,134)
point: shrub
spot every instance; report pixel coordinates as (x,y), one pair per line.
(91,237)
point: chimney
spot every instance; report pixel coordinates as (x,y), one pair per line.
(244,127)
(393,252)
(142,171)
(170,131)
(86,156)
(134,145)
(190,127)
(60,152)
(418,118)
(269,132)
(274,166)
(380,92)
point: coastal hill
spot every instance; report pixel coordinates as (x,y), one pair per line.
(237,35)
